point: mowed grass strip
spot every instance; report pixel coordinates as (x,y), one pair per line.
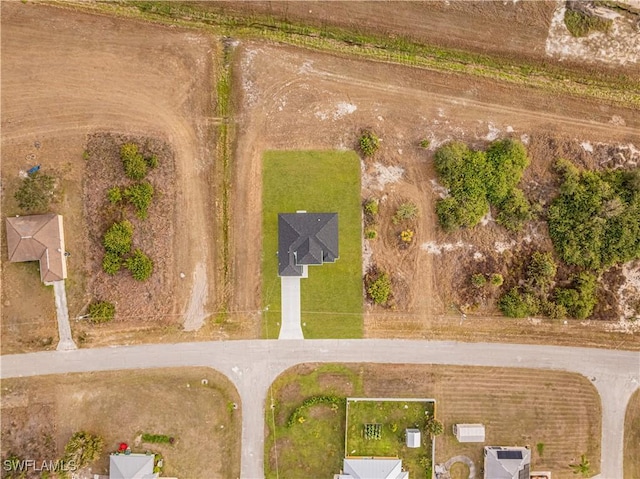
(40,414)
(632,438)
(559,410)
(317,182)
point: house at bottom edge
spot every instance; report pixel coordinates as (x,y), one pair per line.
(507,462)
(372,468)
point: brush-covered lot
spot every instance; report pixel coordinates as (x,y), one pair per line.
(316,182)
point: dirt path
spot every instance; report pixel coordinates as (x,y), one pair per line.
(66,74)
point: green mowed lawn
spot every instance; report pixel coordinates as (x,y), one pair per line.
(317,182)
(393,418)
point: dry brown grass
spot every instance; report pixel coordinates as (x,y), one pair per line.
(40,414)
(632,438)
(518,406)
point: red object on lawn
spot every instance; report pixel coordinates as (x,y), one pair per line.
(123,447)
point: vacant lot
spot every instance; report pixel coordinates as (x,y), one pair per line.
(315,181)
(517,406)
(39,415)
(632,438)
(66,75)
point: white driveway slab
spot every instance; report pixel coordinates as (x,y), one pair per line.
(290,301)
(64,329)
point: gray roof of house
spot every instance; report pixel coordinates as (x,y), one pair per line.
(506,462)
(131,466)
(374,468)
(306,239)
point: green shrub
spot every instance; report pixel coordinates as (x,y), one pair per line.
(425,143)
(434,427)
(101,312)
(111,263)
(370,233)
(135,166)
(476,178)
(378,287)
(507,160)
(36,192)
(479,280)
(406,211)
(114,195)
(157,438)
(595,221)
(552,310)
(496,279)
(369,143)
(118,238)
(515,304)
(140,196)
(514,211)
(541,271)
(581,24)
(370,207)
(82,449)
(152,161)
(140,265)
(580,300)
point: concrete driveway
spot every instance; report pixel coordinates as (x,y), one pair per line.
(290,327)
(252,365)
(62,312)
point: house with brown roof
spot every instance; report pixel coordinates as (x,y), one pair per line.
(38,238)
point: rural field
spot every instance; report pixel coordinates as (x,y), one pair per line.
(40,414)
(632,438)
(557,414)
(215,124)
(331,297)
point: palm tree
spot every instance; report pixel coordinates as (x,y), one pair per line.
(583,467)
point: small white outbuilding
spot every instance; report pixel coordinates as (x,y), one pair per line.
(469,432)
(413,438)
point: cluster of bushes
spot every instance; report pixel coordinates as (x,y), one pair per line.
(117,242)
(433,426)
(480,280)
(378,286)
(36,192)
(538,296)
(158,438)
(82,449)
(368,143)
(335,402)
(595,221)
(101,311)
(139,195)
(134,163)
(478,179)
(370,210)
(581,24)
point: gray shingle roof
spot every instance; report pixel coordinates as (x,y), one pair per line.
(306,239)
(131,466)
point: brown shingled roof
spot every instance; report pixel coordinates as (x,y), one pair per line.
(38,238)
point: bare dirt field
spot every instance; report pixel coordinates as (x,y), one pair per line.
(559,410)
(66,75)
(295,99)
(39,415)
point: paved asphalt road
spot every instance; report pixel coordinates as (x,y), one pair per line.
(253,365)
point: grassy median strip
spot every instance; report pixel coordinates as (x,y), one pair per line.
(317,182)
(619,88)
